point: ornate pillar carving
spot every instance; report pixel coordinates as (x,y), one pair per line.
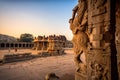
(118,34)
(99,53)
(93,37)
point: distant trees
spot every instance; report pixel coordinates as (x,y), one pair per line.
(26,37)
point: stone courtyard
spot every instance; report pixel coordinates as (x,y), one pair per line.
(36,69)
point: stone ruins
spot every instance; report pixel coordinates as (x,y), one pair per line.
(18,45)
(52,44)
(44,46)
(96,35)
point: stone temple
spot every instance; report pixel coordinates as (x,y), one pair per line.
(52,44)
(95,25)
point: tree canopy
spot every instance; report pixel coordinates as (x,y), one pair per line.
(26,37)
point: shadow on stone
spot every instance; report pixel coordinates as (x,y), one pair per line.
(67,77)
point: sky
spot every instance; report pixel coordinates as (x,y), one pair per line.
(37,17)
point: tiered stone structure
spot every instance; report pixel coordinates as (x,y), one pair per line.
(56,44)
(40,43)
(52,43)
(93,26)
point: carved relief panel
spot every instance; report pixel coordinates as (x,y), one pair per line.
(98,57)
(92,37)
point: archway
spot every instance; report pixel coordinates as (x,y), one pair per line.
(7,45)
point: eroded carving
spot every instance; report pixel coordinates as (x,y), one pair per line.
(117,34)
(78,25)
(99,72)
(97,37)
(76,22)
(92,37)
(80,66)
(98,7)
(97,3)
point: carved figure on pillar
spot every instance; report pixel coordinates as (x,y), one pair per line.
(99,72)
(76,22)
(93,36)
(78,25)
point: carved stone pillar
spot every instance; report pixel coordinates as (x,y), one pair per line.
(93,27)
(99,52)
(118,34)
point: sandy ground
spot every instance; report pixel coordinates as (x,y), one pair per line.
(36,69)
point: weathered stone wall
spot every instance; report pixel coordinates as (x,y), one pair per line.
(99,53)
(93,27)
(118,34)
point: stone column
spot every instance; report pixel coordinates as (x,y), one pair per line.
(25,45)
(0,45)
(21,45)
(99,50)
(93,30)
(118,34)
(5,46)
(29,45)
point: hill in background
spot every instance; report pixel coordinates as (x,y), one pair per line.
(7,38)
